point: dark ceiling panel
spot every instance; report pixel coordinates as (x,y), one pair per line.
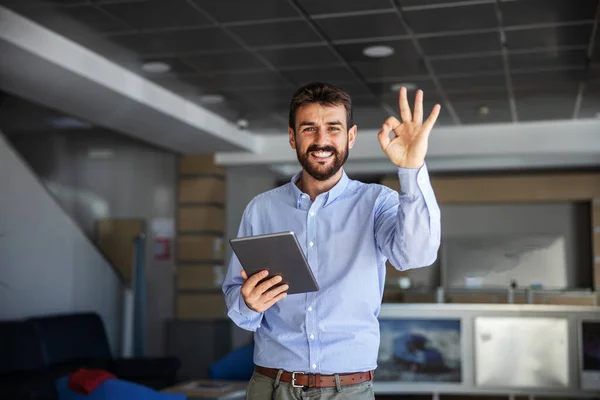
(300,56)
(468,105)
(548,79)
(342,6)
(276,99)
(238,81)
(156,14)
(403,49)
(277,33)
(547,59)
(363,26)
(174,42)
(393,67)
(420,3)
(225,62)
(545,104)
(473,84)
(387,88)
(333,75)
(492,63)
(89,16)
(548,37)
(245,10)
(527,12)
(461,44)
(478,16)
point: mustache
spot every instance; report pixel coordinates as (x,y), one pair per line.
(314,147)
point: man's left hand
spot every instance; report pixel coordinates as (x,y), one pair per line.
(409,146)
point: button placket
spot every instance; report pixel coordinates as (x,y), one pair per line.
(312,258)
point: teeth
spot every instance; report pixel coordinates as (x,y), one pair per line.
(322,154)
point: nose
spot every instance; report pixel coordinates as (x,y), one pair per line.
(321,136)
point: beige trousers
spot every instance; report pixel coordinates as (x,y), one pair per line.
(262,387)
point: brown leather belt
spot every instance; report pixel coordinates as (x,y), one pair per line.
(300,379)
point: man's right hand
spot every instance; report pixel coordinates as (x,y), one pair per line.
(257,296)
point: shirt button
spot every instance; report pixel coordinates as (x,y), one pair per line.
(309,308)
(312,213)
(312,336)
(314,366)
(311,244)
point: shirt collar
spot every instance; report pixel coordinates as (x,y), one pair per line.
(331,195)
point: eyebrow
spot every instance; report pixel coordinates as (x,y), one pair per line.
(307,123)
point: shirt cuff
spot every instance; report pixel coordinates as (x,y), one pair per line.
(411,179)
(246,311)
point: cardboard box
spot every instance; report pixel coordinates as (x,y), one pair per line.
(199,165)
(201,218)
(202,190)
(199,248)
(198,277)
(201,306)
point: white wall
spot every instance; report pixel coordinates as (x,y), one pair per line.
(243,183)
(47,264)
(136,181)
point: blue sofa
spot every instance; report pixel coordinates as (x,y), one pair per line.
(37,351)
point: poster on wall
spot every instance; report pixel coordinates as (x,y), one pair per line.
(590,354)
(420,350)
(163,230)
(527,352)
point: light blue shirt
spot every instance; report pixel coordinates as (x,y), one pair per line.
(347,234)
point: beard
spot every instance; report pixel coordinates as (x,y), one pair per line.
(315,169)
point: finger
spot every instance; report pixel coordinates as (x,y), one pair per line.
(428,125)
(254,279)
(268,295)
(391,123)
(404,107)
(418,117)
(274,300)
(243,273)
(384,136)
(266,285)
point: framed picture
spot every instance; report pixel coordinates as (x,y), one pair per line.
(420,350)
(521,352)
(589,354)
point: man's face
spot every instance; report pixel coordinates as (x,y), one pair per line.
(322,139)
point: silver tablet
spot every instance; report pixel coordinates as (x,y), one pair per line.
(280,254)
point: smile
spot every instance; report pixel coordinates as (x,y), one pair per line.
(321,155)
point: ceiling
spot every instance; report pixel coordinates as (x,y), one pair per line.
(485,61)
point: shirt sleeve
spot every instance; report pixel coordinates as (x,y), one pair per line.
(407,223)
(237,309)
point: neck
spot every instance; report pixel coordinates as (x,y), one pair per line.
(314,187)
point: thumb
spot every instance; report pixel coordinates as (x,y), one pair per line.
(243,273)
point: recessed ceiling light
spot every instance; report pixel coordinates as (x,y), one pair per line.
(483,111)
(156,67)
(378,51)
(212,99)
(408,85)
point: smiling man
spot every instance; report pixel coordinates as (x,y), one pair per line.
(324,345)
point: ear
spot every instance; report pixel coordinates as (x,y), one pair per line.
(292,136)
(352,136)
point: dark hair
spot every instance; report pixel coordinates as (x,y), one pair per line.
(324,94)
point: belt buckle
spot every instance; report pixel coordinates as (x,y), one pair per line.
(294,379)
